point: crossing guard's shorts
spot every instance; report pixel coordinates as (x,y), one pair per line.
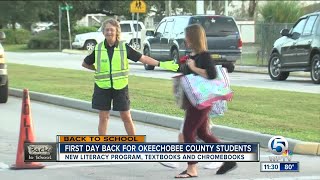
(102,98)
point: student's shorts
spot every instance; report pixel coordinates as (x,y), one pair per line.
(102,98)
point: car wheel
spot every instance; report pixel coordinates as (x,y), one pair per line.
(274,68)
(229,66)
(4,93)
(146,51)
(135,44)
(175,56)
(315,69)
(89,45)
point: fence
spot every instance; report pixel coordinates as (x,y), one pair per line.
(265,34)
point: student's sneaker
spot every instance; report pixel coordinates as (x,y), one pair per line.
(213,165)
(226,167)
(173,165)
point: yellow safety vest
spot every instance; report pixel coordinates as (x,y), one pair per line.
(111,74)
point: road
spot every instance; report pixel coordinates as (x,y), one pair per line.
(73,61)
(50,120)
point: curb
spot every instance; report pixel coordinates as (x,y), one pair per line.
(307,148)
(224,132)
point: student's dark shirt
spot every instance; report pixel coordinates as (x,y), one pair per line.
(131,54)
(203,61)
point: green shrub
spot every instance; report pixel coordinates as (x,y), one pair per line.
(18,36)
(48,39)
(84,29)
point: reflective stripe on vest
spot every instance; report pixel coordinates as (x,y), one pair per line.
(105,76)
(116,76)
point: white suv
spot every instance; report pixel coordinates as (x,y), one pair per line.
(3,73)
(128,33)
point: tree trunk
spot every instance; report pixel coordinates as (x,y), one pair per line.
(14,25)
(243,9)
(252,8)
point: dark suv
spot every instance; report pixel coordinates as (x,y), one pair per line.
(297,50)
(167,41)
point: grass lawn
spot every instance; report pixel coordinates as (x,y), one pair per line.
(23,48)
(290,114)
(251,60)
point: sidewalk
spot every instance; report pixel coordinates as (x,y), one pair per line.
(226,133)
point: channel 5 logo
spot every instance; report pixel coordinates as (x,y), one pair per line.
(278,145)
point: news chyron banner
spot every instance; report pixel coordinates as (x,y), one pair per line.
(134,149)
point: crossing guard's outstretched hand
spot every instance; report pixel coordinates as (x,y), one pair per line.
(169,65)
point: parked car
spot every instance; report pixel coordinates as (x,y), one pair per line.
(297,50)
(128,33)
(3,73)
(167,41)
(41,26)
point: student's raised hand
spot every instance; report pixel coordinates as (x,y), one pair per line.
(169,65)
(191,63)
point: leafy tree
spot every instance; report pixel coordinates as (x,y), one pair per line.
(159,7)
(187,6)
(281,11)
(311,8)
(247,10)
(22,12)
(217,6)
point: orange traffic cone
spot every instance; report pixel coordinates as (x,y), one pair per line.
(26,135)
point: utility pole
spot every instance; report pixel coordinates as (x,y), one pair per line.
(199,7)
(69,31)
(168,7)
(60,46)
(226,8)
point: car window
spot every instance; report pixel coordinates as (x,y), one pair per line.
(309,25)
(180,24)
(125,27)
(168,28)
(135,27)
(317,27)
(160,28)
(299,26)
(216,25)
